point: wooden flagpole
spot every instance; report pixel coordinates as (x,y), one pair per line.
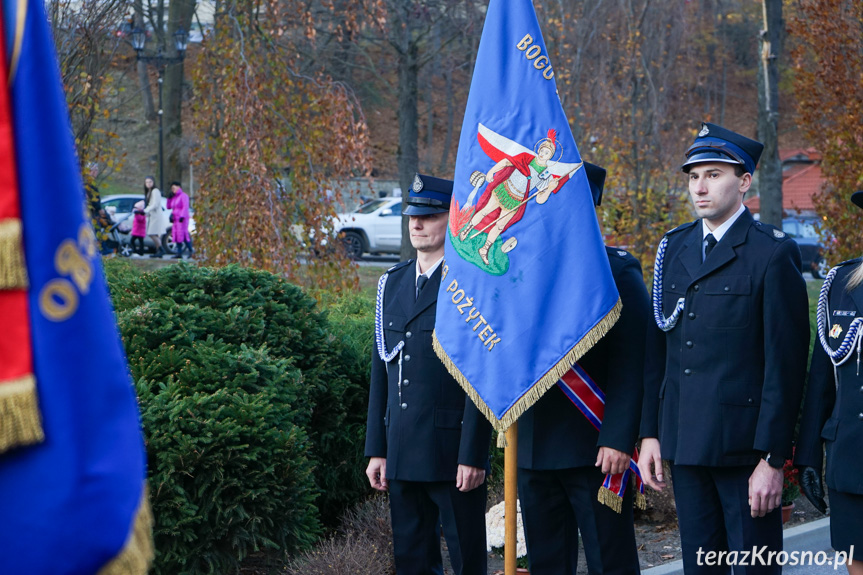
(510,496)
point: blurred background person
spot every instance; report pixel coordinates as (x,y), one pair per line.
(156,226)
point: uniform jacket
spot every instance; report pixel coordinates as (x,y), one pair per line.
(724,385)
(554,434)
(833,410)
(433,427)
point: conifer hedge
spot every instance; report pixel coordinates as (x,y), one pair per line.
(253,402)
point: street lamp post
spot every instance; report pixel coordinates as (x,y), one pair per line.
(160,61)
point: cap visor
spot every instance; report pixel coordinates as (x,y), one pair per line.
(857,198)
(410,210)
(708,157)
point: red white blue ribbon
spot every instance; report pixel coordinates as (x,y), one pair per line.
(583,392)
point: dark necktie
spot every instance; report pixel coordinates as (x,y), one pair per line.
(711,243)
(421,281)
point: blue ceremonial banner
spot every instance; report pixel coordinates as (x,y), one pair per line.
(527,287)
(73,493)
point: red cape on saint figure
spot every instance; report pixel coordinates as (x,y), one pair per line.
(520,162)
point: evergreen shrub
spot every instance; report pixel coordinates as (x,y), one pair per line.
(268,382)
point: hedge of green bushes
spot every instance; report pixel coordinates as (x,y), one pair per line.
(253,401)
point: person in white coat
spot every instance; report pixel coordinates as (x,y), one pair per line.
(156,226)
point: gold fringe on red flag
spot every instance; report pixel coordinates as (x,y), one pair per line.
(137,554)
(20,422)
(13,269)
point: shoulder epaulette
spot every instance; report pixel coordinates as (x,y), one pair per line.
(617,252)
(399,265)
(771,231)
(850,262)
(682,227)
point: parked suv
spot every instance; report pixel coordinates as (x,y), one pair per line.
(374,227)
(802,230)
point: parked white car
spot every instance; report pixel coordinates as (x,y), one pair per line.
(374,227)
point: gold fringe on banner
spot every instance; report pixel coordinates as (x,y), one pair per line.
(13,270)
(540,387)
(610,499)
(20,423)
(137,554)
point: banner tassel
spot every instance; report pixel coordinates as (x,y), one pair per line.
(20,422)
(640,501)
(137,554)
(610,499)
(501,439)
(13,270)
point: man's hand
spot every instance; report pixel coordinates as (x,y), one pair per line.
(812,488)
(765,489)
(468,478)
(650,464)
(612,461)
(377,473)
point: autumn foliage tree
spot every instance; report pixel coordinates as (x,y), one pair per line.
(828,82)
(279,145)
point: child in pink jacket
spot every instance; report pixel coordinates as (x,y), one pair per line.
(139,227)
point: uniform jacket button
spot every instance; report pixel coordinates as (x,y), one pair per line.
(689,344)
(691,315)
(407,358)
(860,416)
(861,389)
(408,334)
(726,288)
(406,382)
(687,371)
(391,324)
(749,400)
(696,287)
(404,406)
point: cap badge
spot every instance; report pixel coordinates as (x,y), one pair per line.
(778,234)
(835,330)
(704,131)
(417,186)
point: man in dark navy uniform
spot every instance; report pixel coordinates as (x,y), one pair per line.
(726,362)
(427,442)
(563,459)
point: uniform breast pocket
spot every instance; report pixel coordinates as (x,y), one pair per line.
(425,326)
(673,288)
(394,330)
(727,302)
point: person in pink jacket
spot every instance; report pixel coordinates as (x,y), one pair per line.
(178,203)
(139,228)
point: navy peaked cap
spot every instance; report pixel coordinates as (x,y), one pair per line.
(596,179)
(428,195)
(717,144)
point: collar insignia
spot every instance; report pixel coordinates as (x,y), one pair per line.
(778,234)
(417,186)
(621,253)
(835,330)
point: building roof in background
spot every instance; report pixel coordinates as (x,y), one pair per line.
(801,179)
